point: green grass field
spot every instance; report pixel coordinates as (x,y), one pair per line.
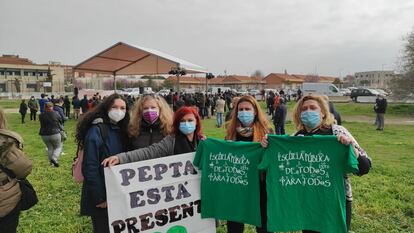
(383,199)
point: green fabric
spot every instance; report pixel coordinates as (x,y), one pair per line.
(230,180)
(305,183)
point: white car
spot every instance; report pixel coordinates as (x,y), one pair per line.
(163,92)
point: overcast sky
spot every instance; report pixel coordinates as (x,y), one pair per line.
(329,37)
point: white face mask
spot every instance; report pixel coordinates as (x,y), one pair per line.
(116,115)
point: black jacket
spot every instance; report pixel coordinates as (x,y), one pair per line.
(50,123)
(149,134)
(380,106)
(23,108)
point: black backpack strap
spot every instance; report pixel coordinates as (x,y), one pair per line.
(103,128)
(9,172)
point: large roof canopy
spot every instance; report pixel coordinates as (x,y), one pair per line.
(126,59)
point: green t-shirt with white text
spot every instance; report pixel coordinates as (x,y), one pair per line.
(305,183)
(230,187)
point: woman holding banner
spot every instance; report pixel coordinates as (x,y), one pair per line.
(151,120)
(249,123)
(101,133)
(185,137)
(311,116)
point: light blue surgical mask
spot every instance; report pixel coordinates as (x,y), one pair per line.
(187,127)
(310,119)
(245,117)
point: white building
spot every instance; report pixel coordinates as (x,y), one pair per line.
(22,77)
(374,79)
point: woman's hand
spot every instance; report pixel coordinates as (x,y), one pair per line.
(102,205)
(264,141)
(346,141)
(110,161)
(203,137)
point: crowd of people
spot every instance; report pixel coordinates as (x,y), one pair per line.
(118,129)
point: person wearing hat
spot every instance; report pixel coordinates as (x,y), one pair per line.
(380,108)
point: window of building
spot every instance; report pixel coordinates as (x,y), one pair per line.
(31,85)
(2,87)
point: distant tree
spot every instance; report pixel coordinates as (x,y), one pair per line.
(257,74)
(402,86)
(108,84)
(168,84)
(17,85)
(337,82)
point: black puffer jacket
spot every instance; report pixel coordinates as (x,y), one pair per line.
(149,134)
(50,123)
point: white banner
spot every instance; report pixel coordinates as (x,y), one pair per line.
(156,196)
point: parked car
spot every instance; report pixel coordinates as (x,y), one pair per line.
(320,89)
(254,92)
(355,93)
(163,92)
(130,91)
(381,92)
(345,91)
(242,92)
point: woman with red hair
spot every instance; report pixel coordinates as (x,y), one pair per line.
(185,137)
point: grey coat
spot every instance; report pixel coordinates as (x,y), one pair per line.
(157,150)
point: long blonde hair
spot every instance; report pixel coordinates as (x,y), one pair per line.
(261,125)
(326,121)
(3,121)
(165,115)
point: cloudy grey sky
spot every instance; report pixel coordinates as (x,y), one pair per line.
(330,37)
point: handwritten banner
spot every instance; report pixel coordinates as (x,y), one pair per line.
(156,196)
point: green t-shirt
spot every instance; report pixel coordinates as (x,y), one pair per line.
(230,180)
(305,183)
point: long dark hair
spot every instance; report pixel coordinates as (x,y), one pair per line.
(101,111)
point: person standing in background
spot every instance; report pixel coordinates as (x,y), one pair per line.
(42,102)
(84,104)
(23,110)
(380,108)
(34,107)
(279,118)
(76,107)
(66,103)
(220,104)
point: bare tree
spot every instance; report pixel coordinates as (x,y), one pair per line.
(402,86)
(257,74)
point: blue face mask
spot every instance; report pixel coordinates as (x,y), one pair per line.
(310,119)
(245,117)
(187,127)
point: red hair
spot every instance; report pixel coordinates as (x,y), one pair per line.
(180,113)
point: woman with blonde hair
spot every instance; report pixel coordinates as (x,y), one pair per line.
(311,116)
(151,120)
(249,123)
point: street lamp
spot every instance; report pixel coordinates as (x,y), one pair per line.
(177,71)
